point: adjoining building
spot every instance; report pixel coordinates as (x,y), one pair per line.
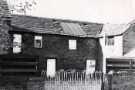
(117,42)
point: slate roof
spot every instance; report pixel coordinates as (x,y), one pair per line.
(56,26)
(131,53)
(114,29)
(72,29)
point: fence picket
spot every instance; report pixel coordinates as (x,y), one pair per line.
(73,81)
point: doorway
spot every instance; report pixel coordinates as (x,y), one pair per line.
(51,67)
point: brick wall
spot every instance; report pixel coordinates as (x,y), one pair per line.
(56,46)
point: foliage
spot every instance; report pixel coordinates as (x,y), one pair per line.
(122,81)
(21,6)
(7,6)
(4,36)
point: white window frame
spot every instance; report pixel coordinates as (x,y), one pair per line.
(72,44)
(17,43)
(40,38)
(90,66)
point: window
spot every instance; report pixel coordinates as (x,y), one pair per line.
(90,66)
(17,41)
(72,44)
(109,41)
(38,42)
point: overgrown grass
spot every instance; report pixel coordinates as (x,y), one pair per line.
(119,81)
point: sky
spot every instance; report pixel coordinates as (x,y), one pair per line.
(100,11)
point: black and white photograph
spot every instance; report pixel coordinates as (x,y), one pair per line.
(67,44)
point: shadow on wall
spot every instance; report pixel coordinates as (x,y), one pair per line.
(99,58)
(129,42)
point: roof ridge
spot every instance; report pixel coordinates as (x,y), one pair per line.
(59,19)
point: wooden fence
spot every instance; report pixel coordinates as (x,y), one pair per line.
(69,76)
(123,64)
(67,81)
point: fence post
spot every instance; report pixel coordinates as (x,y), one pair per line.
(102,81)
(110,81)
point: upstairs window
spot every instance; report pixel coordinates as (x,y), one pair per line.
(38,42)
(109,41)
(72,45)
(17,43)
